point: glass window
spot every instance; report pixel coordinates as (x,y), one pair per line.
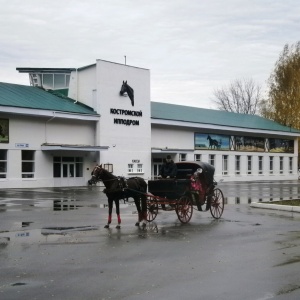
(249,165)
(281,164)
(67,80)
(28,163)
(271,164)
(130,168)
(290,165)
(59,81)
(109,167)
(211,159)
(197,157)
(140,168)
(260,165)
(3,163)
(237,164)
(67,166)
(182,157)
(224,164)
(48,81)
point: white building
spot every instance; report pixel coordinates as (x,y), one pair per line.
(48,139)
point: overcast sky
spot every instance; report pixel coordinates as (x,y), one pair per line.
(191,47)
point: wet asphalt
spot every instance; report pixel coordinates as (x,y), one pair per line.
(53,245)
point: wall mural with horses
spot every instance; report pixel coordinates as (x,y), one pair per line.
(209,141)
(281,146)
(4,131)
(249,143)
(204,141)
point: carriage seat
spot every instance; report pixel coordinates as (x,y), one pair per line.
(184,173)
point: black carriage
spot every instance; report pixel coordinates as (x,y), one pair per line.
(193,188)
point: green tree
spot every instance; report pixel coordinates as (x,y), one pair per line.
(240,96)
(283,103)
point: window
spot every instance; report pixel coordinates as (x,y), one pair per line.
(53,81)
(3,163)
(157,163)
(260,164)
(48,81)
(130,168)
(225,164)
(290,165)
(237,164)
(67,166)
(197,157)
(271,164)
(28,163)
(108,167)
(249,165)
(135,168)
(281,164)
(182,157)
(211,159)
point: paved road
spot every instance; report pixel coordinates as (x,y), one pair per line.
(53,246)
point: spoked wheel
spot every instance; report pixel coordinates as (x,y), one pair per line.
(152,209)
(217,204)
(184,209)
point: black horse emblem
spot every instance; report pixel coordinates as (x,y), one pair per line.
(128,90)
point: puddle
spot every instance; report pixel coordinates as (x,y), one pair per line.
(44,235)
(288,289)
(18,283)
(296,259)
(122,205)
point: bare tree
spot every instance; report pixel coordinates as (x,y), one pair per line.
(241,96)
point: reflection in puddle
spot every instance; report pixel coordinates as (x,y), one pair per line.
(44,235)
(249,200)
(122,205)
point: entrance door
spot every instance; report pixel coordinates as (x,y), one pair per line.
(156,168)
(68,170)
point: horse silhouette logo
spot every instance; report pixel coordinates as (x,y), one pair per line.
(126,90)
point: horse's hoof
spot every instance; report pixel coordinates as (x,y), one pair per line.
(106,226)
(137,224)
(118,227)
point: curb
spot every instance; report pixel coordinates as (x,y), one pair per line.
(276,207)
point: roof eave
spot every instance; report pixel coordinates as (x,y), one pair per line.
(49,113)
(167,122)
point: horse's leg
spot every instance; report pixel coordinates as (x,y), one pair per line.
(138,207)
(117,202)
(110,207)
(144,209)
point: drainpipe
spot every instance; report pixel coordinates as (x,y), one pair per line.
(46,125)
(76,85)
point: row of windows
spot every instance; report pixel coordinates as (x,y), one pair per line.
(135,168)
(27,163)
(212,159)
(50,81)
(62,166)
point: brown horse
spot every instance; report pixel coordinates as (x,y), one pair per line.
(117,188)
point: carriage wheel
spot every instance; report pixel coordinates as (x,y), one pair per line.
(152,209)
(184,209)
(217,204)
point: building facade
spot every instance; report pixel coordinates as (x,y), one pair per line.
(55,131)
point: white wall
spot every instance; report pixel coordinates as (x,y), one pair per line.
(34,131)
(127,143)
(82,84)
(183,138)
